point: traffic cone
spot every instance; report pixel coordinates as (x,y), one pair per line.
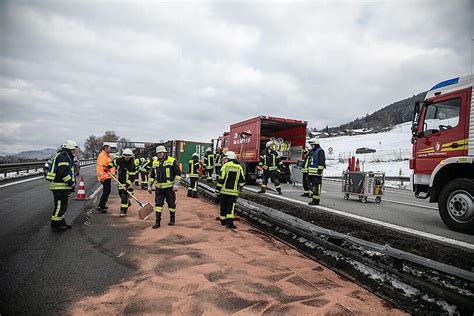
(357,168)
(81,193)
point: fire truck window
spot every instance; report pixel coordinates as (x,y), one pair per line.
(226,140)
(442,116)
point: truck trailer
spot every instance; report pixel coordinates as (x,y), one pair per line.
(443,151)
(248,138)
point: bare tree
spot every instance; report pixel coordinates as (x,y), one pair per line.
(93,146)
(110,136)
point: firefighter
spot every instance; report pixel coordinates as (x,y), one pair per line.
(104,177)
(61,174)
(209,164)
(193,172)
(125,166)
(137,164)
(219,156)
(230,184)
(270,163)
(144,169)
(304,171)
(317,163)
(166,175)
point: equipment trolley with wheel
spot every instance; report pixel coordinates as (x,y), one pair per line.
(364,185)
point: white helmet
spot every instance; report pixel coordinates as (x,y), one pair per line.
(195,155)
(313,141)
(155,158)
(127,152)
(209,150)
(69,144)
(230,155)
(142,159)
(269,144)
(160,149)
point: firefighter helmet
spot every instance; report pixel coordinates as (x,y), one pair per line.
(230,155)
(195,155)
(127,153)
(313,141)
(209,150)
(69,144)
(269,144)
(160,149)
(142,159)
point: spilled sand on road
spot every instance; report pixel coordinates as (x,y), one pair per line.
(200,267)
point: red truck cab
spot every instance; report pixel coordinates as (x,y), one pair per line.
(443,151)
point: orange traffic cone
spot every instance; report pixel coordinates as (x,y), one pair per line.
(357,168)
(81,193)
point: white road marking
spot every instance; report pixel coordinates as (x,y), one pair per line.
(377,222)
(35,178)
(95,193)
(21,181)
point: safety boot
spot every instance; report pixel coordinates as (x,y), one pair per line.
(230,223)
(172,218)
(194,194)
(223,221)
(279,191)
(314,202)
(305,195)
(157,221)
(262,190)
(189,193)
(123,213)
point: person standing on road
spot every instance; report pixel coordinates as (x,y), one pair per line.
(230,184)
(145,165)
(166,175)
(270,162)
(304,171)
(209,164)
(61,174)
(316,165)
(218,157)
(103,176)
(137,164)
(126,175)
(193,171)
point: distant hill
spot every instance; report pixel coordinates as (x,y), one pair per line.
(388,116)
(36,154)
(3,153)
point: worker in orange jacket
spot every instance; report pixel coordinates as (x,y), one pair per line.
(104,177)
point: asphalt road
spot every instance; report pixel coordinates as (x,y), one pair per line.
(398,207)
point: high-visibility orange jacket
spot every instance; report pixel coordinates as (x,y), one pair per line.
(103,160)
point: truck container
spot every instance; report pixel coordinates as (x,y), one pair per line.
(443,151)
(183,151)
(248,138)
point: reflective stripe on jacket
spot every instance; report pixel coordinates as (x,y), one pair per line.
(165,173)
(232,179)
(103,160)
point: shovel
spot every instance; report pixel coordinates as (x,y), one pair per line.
(145,209)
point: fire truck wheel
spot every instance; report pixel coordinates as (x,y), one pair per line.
(378,199)
(364,199)
(456,205)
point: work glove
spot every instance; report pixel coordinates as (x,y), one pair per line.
(175,187)
(130,189)
(320,172)
(149,189)
(108,167)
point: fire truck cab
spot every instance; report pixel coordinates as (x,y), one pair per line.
(443,151)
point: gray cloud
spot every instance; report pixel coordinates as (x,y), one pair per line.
(154,70)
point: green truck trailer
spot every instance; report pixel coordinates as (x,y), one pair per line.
(183,151)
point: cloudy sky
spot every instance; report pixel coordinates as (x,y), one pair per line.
(187,70)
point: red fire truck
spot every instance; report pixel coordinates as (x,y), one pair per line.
(248,138)
(443,151)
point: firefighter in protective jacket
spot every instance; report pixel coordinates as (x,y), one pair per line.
(165,174)
(125,167)
(304,171)
(230,184)
(193,173)
(61,174)
(209,160)
(316,165)
(270,163)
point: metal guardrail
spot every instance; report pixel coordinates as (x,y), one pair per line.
(36,165)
